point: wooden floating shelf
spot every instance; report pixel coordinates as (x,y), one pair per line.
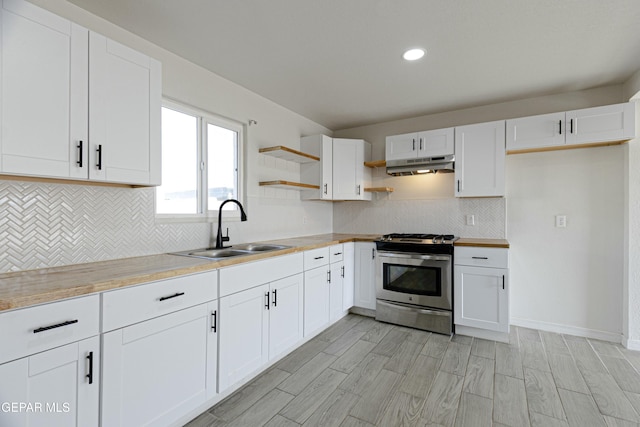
(376,164)
(286,153)
(289,185)
(379,190)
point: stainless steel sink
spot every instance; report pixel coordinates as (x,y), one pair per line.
(235,251)
(218,253)
(260,247)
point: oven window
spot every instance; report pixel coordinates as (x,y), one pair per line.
(412,279)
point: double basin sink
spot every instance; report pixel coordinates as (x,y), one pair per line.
(235,251)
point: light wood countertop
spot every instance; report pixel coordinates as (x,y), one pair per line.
(484,243)
(31,287)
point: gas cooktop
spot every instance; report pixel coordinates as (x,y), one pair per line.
(418,238)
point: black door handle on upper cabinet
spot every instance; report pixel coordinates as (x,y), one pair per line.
(99,151)
(79,161)
(560,127)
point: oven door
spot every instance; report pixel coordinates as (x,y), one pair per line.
(411,278)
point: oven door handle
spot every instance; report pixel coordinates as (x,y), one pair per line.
(412,255)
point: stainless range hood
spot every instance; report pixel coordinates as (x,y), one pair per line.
(421,165)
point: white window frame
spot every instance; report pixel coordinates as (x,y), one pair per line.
(204,118)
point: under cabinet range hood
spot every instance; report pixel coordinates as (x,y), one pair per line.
(418,166)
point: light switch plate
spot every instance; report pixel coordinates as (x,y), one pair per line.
(561,221)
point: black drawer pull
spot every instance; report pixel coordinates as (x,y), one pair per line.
(176,295)
(479,257)
(90,374)
(319,257)
(58,325)
(337,253)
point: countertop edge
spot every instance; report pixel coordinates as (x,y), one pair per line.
(482,243)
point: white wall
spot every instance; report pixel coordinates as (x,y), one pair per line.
(567,278)
(272,213)
(557,283)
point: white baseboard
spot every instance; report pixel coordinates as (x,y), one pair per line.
(631,344)
(569,330)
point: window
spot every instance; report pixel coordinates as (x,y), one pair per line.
(201,158)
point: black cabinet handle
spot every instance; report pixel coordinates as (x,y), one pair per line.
(458,186)
(214,321)
(560,127)
(337,253)
(99,151)
(325,188)
(176,295)
(421,143)
(503,281)
(342,268)
(319,257)
(373,253)
(57,325)
(414,144)
(479,257)
(329,276)
(79,161)
(90,374)
(266,294)
(571,126)
(275,297)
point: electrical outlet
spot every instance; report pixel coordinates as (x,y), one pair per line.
(471,220)
(561,221)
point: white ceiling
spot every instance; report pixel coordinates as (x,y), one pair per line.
(338,62)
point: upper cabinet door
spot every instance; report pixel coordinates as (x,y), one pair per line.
(433,143)
(124,113)
(546,130)
(43,74)
(401,146)
(480,159)
(350,176)
(609,123)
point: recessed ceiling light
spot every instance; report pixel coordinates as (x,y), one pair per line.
(413,54)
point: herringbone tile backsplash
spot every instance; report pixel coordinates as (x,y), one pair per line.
(47,225)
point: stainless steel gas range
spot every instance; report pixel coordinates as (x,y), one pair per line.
(414,281)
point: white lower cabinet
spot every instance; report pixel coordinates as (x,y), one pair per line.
(156,371)
(50,364)
(244,334)
(365,262)
(336,291)
(316,300)
(481,290)
(349,276)
(285,314)
(59,387)
(159,350)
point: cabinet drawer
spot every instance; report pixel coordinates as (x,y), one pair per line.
(134,304)
(481,257)
(316,258)
(336,253)
(250,274)
(35,329)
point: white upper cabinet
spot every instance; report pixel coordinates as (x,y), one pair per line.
(124,113)
(349,174)
(601,124)
(96,103)
(610,123)
(340,173)
(480,160)
(546,130)
(431,143)
(44,93)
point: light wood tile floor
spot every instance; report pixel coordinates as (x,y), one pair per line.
(363,373)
